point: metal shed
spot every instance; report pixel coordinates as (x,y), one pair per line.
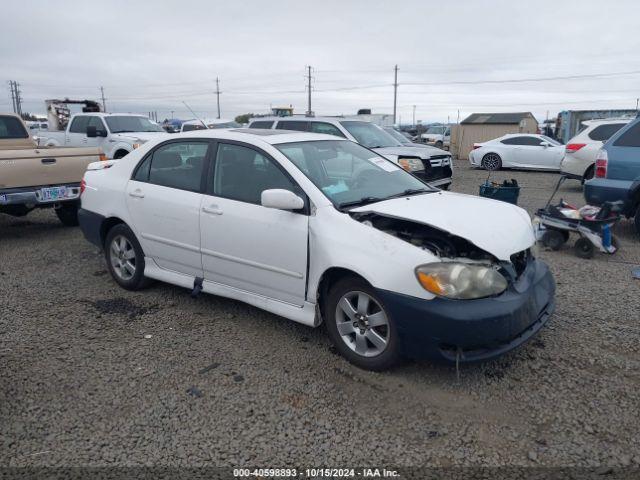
(481,127)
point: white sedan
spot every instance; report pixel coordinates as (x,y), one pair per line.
(312,228)
(518,150)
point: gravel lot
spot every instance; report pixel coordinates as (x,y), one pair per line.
(95,375)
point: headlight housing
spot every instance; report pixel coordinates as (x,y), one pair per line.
(461,281)
(411,164)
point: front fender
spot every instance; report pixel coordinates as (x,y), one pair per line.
(119,145)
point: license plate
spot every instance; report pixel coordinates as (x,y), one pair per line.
(51,194)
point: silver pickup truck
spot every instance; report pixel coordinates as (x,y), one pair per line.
(33,177)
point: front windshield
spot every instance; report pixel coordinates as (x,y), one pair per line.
(397,135)
(121,123)
(350,175)
(369,135)
(435,130)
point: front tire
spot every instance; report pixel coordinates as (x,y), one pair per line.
(125,258)
(360,326)
(491,162)
(439,144)
(584,248)
(68,214)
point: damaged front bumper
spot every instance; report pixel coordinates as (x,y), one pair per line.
(474,330)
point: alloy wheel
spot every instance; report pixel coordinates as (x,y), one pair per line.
(362,324)
(491,161)
(122,257)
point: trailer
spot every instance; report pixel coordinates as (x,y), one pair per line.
(569,122)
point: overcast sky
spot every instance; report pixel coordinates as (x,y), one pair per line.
(153,55)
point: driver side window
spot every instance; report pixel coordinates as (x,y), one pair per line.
(242,173)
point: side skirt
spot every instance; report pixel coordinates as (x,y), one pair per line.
(306,314)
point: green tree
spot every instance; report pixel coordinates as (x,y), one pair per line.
(244,118)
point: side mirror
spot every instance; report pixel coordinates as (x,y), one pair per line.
(92,132)
(281,199)
(545,144)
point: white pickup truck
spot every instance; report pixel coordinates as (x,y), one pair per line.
(116,133)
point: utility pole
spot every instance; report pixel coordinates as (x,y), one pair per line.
(13,96)
(16,87)
(395,92)
(414,116)
(218,94)
(104,105)
(308,75)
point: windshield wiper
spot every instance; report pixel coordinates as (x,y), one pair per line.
(362,201)
(410,191)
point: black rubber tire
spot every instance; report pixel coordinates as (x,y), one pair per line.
(553,239)
(636,220)
(138,281)
(439,144)
(385,360)
(484,165)
(588,174)
(120,154)
(68,214)
(583,248)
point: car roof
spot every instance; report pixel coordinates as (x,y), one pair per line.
(509,135)
(604,121)
(272,137)
(308,119)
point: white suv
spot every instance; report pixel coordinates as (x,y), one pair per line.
(580,152)
(428,163)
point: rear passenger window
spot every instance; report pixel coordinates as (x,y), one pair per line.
(323,127)
(261,124)
(603,133)
(630,137)
(175,165)
(297,125)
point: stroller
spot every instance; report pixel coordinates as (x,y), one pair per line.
(554,223)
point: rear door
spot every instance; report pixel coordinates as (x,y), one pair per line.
(245,245)
(623,150)
(164,197)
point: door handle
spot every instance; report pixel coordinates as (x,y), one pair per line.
(136,193)
(213,209)
(48,161)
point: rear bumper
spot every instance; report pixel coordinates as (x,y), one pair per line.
(91,226)
(33,195)
(573,167)
(479,329)
(600,190)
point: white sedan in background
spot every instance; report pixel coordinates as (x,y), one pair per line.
(518,150)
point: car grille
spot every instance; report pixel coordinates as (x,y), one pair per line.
(435,173)
(436,160)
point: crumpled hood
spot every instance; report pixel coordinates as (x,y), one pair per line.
(426,152)
(132,136)
(499,228)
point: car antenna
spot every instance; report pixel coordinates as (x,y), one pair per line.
(194,114)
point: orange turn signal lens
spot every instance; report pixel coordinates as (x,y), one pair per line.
(103,157)
(404,163)
(430,283)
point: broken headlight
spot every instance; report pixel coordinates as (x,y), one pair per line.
(411,164)
(460,281)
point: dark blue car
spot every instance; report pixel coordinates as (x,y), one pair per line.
(617,172)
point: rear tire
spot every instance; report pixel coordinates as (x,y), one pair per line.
(583,248)
(491,162)
(553,239)
(360,326)
(125,258)
(68,214)
(588,174)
